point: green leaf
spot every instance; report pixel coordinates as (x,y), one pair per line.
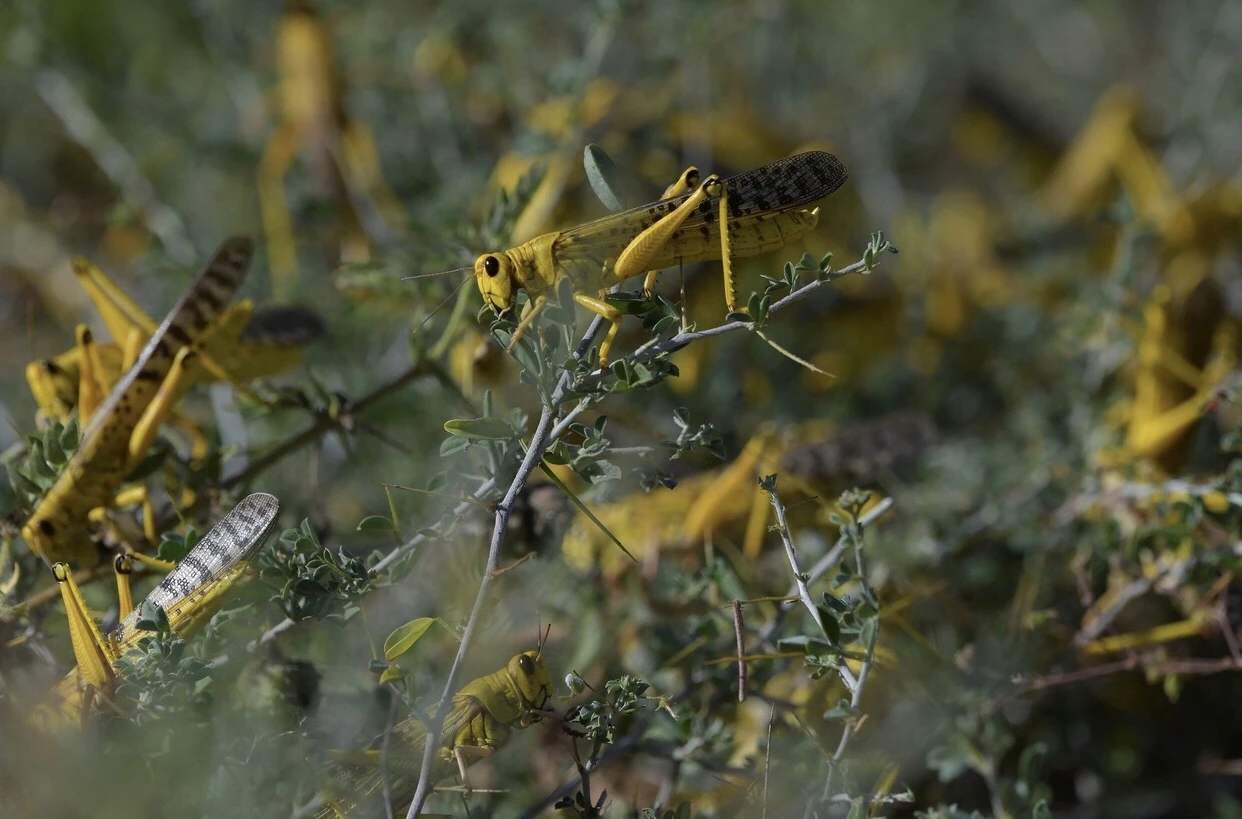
(486,429)
(375,523)
(601,174)
(552,476)
(403,637)
(803,643)
(392,673)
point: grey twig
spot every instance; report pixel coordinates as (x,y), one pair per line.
(539,442)
(87,130)
(804,594)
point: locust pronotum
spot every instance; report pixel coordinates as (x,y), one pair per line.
(483,713)
(187,596)
(762,210)
(122,427)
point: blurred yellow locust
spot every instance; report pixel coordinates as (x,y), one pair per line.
(119,428)
(762,210)
(483,713)
(240,345)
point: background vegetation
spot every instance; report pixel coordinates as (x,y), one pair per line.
(1036,398)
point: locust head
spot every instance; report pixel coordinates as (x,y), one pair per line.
(530,676)
(494,274)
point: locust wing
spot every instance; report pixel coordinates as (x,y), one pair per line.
(222,552)
(57,530)
(755,198)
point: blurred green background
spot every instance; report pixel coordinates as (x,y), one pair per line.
(1062,182)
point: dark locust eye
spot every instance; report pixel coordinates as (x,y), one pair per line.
(527,665)
(491,265)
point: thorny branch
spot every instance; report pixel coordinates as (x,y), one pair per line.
(539,442)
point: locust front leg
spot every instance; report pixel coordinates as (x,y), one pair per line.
(608,312)
(536,307)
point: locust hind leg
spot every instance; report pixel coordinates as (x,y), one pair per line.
(161,405)
(90,648)
(608,312)
(685,183)
(123,567)
(637,257)
(467,754)
(274,207)
(477,740)
(726,260)
(91,390)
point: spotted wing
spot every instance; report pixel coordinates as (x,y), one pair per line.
(233,539)
(783,185)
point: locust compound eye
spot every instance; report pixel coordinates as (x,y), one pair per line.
(491,266)
(692,177)
(527,665)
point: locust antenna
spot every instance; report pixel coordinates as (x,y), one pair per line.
(439,307)
(543,639)
(435,275)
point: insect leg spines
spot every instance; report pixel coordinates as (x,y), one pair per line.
(726,258)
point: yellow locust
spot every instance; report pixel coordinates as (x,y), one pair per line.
(121,429)
(483,713)
(240,345)
(762,210)
(188,597)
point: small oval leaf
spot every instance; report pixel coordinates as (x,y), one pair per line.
(601,173)
(375,523)
(490,429)
(404,637)
(391,674)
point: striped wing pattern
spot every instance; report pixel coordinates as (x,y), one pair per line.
(190,316)
(58,527)
(233,539)
(780,186)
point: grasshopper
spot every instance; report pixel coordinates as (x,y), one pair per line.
(760,210)
(188,596)
(483,714)
(314,121)
(123,426)
(1186,344)
(240,345)
(810,458)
